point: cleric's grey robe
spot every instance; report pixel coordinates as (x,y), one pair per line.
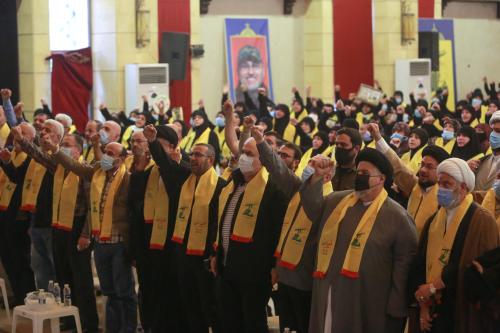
(362,305)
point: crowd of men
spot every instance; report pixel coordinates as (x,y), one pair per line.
(352,217)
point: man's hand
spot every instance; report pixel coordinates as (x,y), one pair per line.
(5,155)
(485,79)
(150,133)
(201,104)
(144,98)
(43,101)
(17,134)
(18,109)
(213,265)
(478,266)
(95,140)
(227,110)
(248,123)
(322,166)
(473,165)
(337,88)
(6,93)
(225,89)
(161,107)
(425,318)
(294,121)
(102,106)
(308,91)
(374,131)
(258,134)
(83,243)
(294,90)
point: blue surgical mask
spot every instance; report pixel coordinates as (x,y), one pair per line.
(307,173)
(398,136)
(107,162)
(446,197)
(220,122)
(476,102)
(367,136)
(273,114)
(67,151)
(85,145)
(384,107)
(132,119)
(495,140)
(104,137)
(397,100)
(406,118)
(191,122)
(496,187)
(417,114)
(448,135)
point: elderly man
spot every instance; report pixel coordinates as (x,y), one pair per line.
(366,243)
(109,224)
(66,121)
(485,168)
(15,224)
(91,129)
(457,234)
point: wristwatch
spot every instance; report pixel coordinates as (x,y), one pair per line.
(432,289)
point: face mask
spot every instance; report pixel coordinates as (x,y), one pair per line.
(494,140)
(367,136)
(361,183)
(446,197)
(418,114)
(496,187)
(448,135)
(476,102)
(398,136)
(384,107)
(273,114)
(435,100)
(107,162)
(220,122)
(307,173)
(85,145)
(406,118)
(191,122)
(397,100)
(104,137)
(67,151)
(330,123)
(245,163)
(133,119)
(343,156)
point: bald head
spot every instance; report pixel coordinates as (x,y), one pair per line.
(114,149)
(112,129)
(29,132)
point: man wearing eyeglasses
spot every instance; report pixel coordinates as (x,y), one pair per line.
(485,168)
(194,192)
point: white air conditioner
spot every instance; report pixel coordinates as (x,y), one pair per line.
(413,75)
(151,80)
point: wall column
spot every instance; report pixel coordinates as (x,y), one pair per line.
(318,48)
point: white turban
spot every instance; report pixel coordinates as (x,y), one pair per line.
(459,170)
(495,117)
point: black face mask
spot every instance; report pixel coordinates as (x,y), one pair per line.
(362,182)
(343,156)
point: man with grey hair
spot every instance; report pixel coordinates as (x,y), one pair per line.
(65,120)
(451,239)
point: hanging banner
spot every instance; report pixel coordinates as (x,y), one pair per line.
(447,70)
(248,58)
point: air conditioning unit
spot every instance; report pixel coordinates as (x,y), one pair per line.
(413,75)
(151,80)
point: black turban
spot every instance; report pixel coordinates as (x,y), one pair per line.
(436,152)
(380,161)
(167,133)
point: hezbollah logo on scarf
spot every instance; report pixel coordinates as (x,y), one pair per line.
(357,244)
(194,201)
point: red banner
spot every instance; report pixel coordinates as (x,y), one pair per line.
(72,84)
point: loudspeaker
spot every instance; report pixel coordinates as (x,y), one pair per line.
(428,47)
(175,52)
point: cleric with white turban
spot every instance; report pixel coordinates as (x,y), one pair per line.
(459,170)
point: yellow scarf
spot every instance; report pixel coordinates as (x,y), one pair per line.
(303,114)
(4,132)
(64,193)
(413,163)
(307,157)
(422,205)
(490,204)
(246,219)
(289,133)
(31,186)
(295,231)
(7,187)
(160,217)
(152,188)
(103,228)
(194,202)
(224,149)
(446,146)
(226,174)
(359,239)
(190,139)
(89,154)
(441,238)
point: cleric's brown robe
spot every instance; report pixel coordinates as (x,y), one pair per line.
(481,236)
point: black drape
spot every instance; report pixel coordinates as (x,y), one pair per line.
(9,55)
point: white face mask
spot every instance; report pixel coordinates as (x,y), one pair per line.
(245,163)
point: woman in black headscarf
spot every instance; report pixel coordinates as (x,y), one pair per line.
(201,132)
(467,145)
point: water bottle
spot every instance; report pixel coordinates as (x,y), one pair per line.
(50,288)
(41,296)
(57,293)
(67,295)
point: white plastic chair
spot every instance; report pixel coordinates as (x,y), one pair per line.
(5,298)
(37,317)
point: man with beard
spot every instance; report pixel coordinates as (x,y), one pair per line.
(195,192)
(347,146)
(251,73)
(92,128)
(366,243)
